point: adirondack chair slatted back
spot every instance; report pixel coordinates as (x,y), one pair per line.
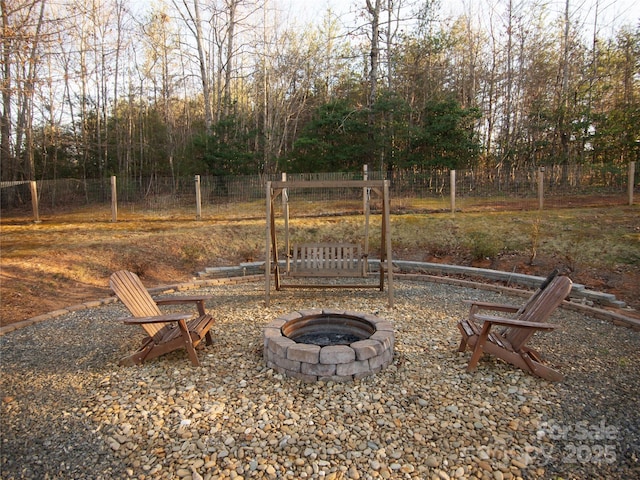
(547,281)
(133,294)
(539,310)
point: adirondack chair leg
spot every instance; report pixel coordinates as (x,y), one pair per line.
(536,365)
(541,370)
(208,338)
(137,357)
(463,345)
(188,343)
(475,357)
(479,347)
(534,354)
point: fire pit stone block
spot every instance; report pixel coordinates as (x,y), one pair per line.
(303,352)
(366,349)
(337,354)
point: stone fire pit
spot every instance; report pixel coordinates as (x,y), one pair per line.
(325,345)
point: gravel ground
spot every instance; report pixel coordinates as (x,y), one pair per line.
(69,411)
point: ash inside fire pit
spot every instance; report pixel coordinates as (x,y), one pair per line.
(328,345)
(328,329)
(324,339)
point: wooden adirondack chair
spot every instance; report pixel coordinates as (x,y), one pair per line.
(166,332)
(510,343)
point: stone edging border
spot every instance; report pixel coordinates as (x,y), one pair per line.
(245,273)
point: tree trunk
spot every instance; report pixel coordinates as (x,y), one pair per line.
(231,5)
(374,11)
(564,91)
(204,75)
(7,157)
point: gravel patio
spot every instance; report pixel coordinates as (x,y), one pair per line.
(69,410)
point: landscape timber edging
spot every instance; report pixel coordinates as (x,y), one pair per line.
(405,266)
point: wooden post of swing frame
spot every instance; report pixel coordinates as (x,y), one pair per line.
(267,257)
(271,246)
(285,214)
(386,230)
(366,207)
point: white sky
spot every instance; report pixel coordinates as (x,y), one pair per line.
(612,13)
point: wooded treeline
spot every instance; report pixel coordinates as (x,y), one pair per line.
(222,87)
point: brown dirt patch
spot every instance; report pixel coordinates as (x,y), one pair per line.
(59,263)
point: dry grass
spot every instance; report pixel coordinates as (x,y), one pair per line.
(68,258)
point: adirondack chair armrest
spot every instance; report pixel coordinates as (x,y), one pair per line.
(499,307)
(510,322)
(179,300)
(170,317)
(198,300)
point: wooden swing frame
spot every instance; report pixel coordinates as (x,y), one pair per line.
(327,260)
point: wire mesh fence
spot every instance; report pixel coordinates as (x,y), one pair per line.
(410,191)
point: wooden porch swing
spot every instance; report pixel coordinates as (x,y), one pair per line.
(326,260)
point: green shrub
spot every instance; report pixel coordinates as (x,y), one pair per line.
(482,245)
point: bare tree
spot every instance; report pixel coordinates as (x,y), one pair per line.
(23,26)
(232,6)
(374,11)
(563,93)
(7,152)
(161,43)
(193,21)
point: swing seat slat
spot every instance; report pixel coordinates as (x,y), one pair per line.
(328,260)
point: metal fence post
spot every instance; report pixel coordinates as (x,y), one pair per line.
(452,181)
(114,200)
(630,183)
(198,199)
